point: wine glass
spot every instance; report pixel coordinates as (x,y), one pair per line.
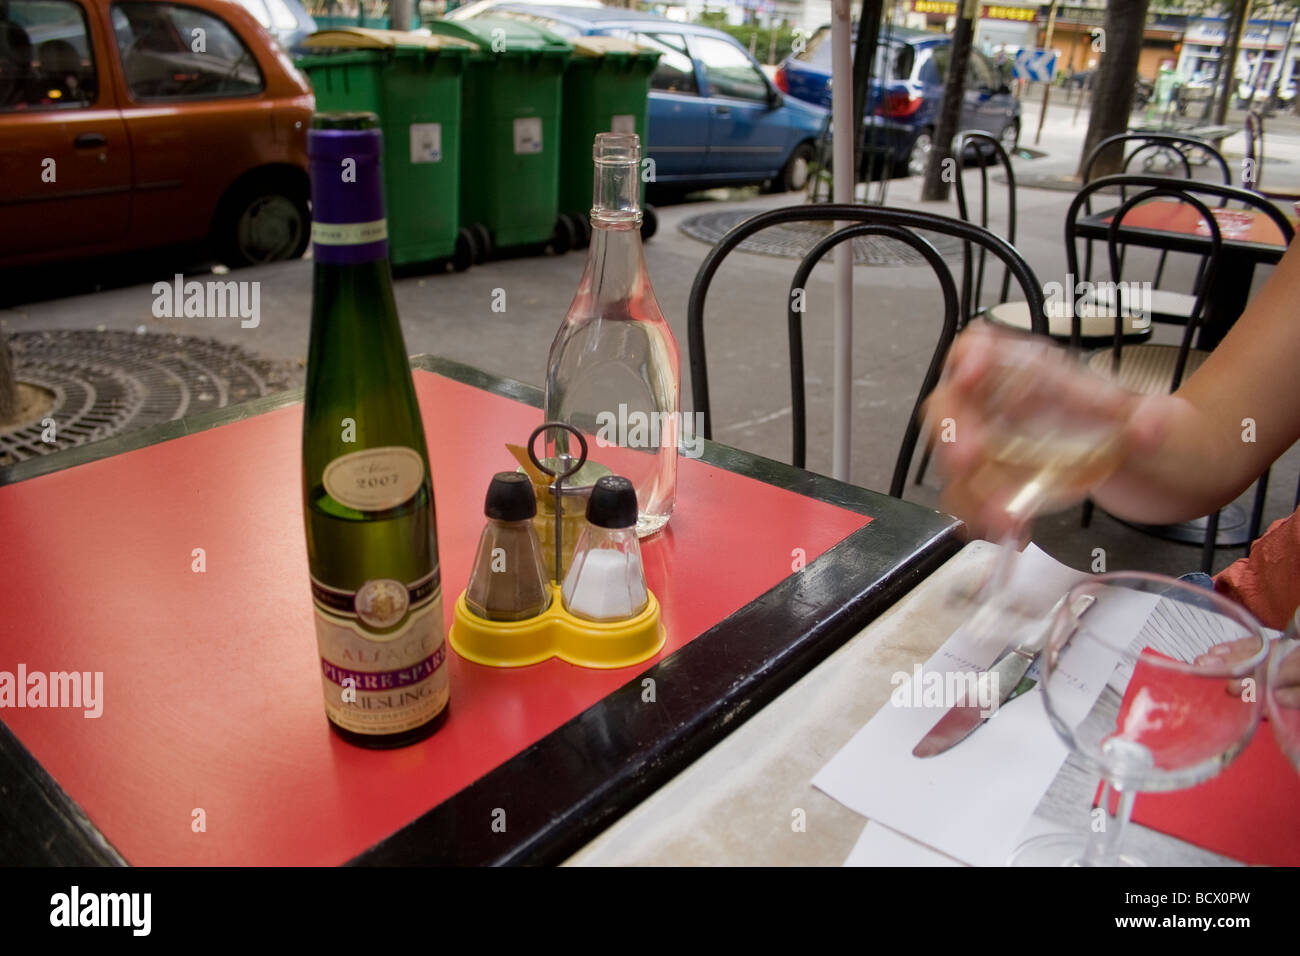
(1161,712)
(1284,691)
(1047,436)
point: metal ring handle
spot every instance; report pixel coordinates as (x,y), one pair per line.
(582,444)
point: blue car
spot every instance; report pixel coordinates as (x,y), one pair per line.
(903,110)
(715,118)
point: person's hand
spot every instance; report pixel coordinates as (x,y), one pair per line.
(999,383)
(1287,691)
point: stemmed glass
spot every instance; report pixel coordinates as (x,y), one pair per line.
(1046,438)
(1162,712)
(1284,691)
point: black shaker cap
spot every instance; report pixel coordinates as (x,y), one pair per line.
(612,503)
(510,497)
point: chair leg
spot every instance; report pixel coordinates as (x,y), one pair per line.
(1207,549)
(1086,520)
(925,461)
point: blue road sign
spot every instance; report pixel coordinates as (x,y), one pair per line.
(1035,65)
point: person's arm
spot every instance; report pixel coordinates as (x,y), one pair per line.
(1228,422)
(1184,454)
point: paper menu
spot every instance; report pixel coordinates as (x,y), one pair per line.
(973,801)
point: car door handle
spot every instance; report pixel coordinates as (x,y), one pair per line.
(90,140)
(722,110)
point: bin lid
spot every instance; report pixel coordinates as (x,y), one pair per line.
(519,36)
(370,38)
(603,46)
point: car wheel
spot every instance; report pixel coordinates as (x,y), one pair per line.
(1009,137)
(794,175)
(918,158)
(262,220)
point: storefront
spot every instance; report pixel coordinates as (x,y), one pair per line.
(1262,58)
(1002,27)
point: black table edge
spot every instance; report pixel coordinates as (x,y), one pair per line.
(41,824)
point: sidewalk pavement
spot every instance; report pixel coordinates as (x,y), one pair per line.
(896,324)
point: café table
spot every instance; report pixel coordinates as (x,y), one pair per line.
(1176,227)
(172,561)
(735,804)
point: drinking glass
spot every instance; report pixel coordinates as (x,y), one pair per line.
(1046,440)
(1162,712)
(1284,691)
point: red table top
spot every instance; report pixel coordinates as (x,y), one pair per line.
(1174,216)
(212,695)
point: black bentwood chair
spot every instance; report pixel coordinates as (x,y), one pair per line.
(1155,369)
(897,224)
(1161,154)
(988,150)
(1252,169)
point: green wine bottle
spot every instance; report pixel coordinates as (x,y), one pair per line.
(367,492)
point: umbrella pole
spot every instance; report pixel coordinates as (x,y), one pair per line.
(842,165)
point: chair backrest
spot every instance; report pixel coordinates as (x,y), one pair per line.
(972,288)
(1252,170)
(1176,152)
(898,224)
(1171,149)
(1153,188)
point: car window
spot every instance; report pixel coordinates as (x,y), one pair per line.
(979,75)
(46,60)
(258,9)
(174,52)
(675,72)
(281,16)
(729,71)
(561,29)
(900,56)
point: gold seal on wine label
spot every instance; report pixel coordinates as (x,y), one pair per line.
(375,479)
(382,603)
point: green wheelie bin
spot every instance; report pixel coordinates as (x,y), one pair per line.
(606,90)
(413,84)
(510,147)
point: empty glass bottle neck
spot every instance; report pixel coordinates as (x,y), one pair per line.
(616,202)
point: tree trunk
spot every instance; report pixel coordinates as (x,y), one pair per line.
(8,384)
(1116,76)
(864,59)
(954,95)
(1228,62)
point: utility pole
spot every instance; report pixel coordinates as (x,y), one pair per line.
(1047,89)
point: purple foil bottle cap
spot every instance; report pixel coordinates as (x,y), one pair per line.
(344,152)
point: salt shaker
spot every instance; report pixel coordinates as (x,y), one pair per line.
(606,580)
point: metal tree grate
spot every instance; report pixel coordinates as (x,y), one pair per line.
(105,383)
(794,240)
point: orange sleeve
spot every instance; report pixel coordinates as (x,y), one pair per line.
(1268,582)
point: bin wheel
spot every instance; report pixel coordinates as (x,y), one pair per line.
(649,222)
(467,250)
(485,244)
(565,235)
(584,230)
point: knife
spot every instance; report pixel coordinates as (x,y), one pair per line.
(960,721)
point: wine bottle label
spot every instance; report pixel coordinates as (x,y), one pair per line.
(375,479)
(383,654)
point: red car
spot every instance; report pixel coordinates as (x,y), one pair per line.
(130,124)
